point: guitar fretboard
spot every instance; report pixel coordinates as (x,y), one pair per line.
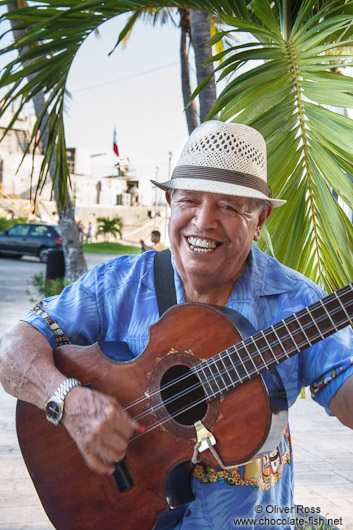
(264,350)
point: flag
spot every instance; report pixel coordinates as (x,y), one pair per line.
(115,144)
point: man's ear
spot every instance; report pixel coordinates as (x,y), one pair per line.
(263,215)
(167,197)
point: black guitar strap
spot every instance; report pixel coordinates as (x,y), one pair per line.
(164,281)
(179,478)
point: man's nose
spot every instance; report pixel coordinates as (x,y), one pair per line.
(205,217)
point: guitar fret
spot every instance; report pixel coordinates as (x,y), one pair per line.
(206,381)
(302,329)
(230,368)
(344,309)
(279,341)
(312,319)
(291,336)
(224,371)
(251,358)
(328,314)
(259,352)
(213,376)
(231,360)
(239,363)
(241,360)
(270,348)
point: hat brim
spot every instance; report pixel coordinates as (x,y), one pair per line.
(211,186)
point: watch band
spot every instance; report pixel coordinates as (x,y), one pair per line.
(54,409)
(65,387)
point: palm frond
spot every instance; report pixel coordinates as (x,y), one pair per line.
(289,99)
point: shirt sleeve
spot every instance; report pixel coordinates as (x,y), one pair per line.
(76,315)
(327,364)
(336,366)
(324,366)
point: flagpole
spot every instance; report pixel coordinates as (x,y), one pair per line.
(155,199)
(170,156)
(116,151)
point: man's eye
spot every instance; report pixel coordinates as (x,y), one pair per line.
(228,208)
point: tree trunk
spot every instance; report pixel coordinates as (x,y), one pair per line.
(75,263)
(200,34)
(191,111)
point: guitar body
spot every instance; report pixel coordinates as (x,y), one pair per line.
(245,422)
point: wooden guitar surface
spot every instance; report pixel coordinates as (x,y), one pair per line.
(74,497)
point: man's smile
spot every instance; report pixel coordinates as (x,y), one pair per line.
(197,244)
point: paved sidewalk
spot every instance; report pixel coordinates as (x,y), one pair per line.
(323,451)
(323,462)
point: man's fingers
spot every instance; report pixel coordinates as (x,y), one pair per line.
(100,428)
(98,464)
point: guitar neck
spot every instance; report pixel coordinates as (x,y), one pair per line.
(261,352)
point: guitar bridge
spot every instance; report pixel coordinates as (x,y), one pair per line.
(203,435)
(206,440)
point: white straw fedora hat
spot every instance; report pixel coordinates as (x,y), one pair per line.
(227,158)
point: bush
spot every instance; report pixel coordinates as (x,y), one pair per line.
(45,288)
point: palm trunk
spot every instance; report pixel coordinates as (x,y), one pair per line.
(200,33)
(75,263)
(191,111)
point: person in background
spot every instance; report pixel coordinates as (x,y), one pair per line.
(89,233)
(156,240)
(81,228)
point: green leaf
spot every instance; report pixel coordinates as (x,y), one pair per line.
(264,12)
(331,125)
(250,27)
(127,28)
(217,37)
(264,97)
(337,178)
(323,96)
(266,241)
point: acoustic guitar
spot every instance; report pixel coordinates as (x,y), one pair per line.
(199,390)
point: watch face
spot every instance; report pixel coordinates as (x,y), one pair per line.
(53,411)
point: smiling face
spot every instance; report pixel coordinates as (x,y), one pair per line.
(211,236)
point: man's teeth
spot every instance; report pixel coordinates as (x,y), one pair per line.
(201,245)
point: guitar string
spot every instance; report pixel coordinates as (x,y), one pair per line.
(238,364)
(289,321)
(199,384)
(179,412)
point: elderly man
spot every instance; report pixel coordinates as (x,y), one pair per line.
(219,201)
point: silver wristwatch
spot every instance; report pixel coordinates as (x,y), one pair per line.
(54,409)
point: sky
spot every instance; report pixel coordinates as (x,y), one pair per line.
(136,90)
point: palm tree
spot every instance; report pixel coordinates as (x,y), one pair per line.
(190,110)
(286,97)
(75,263)
(108,226)
(200,34)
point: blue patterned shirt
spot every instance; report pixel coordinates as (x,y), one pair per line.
(116,301)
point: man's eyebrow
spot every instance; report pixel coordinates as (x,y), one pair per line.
(183,193)
(231,200)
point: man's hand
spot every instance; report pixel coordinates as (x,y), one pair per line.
(99,426)
(341,403)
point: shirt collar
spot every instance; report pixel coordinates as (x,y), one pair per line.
(262,276)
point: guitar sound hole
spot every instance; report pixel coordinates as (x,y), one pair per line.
(184,399)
